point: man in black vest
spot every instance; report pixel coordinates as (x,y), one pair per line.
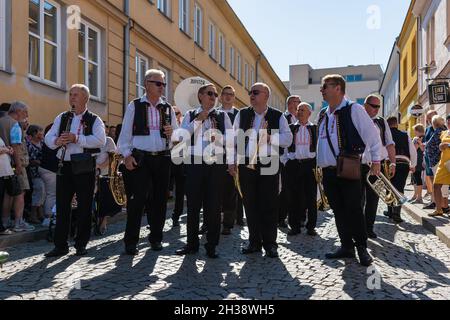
(208,129)
(345,129)
(269,131)
(86,135)
(406,159)
(178,174)
(145,142)
(300,166)
(369,197)
(230,194)
(292,103)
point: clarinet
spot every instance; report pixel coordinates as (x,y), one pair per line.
(167,123)
(64,148)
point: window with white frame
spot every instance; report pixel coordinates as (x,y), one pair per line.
(167,80)
(184,15)
(232,61)
(2,34)
(212,40)
(89,50)
(222,50)
(252,76)
(164,7)
(141,67)
(198,25)
(246,75)
(239,68)
(44,42)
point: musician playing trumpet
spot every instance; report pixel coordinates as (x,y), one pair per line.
(259,180)
(300,165)
(369,198)
(85,137)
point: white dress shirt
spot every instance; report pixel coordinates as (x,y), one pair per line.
(412,153)
(363,124)
(283,138)
(200,128)
(302,142)
(96,140)
(151,143)
(366,159)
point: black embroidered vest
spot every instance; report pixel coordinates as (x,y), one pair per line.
(141,123)
(87,122)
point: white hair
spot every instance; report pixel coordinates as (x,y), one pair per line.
(17,106)
(372,96)
(305,104)
(262,84)
(153,72)
(83,88)
(292,97)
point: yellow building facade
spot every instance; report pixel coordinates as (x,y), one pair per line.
(47,45)
(407,43)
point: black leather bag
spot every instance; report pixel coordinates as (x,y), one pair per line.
(82,163)
(12,186)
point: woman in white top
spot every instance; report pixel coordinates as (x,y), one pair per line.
(105,203)
(6,171)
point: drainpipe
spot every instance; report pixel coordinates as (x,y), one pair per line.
(126,57)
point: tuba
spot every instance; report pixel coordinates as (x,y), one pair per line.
(322,203)
(386,191)
(116,184)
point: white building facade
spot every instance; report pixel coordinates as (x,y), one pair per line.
(389,88)
(306,81)
(433,47)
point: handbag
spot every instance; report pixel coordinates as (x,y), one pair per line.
(348,165)
(12,186)
(82,163)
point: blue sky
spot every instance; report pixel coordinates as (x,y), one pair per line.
(322,33)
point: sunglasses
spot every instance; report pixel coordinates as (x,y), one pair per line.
(212,93)
(375,106)
(254,92)
(326,85)
(158,83)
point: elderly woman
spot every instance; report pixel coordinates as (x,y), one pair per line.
(441,137)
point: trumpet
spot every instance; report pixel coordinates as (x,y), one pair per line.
(322,203)
(386,191)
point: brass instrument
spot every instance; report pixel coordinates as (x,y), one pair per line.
(237,183)
(322,203)
(116,184)
(386,169)
(386,191)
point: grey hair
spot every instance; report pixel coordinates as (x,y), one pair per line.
(292,97)
(153,72)
(83,88)
(438,121)
(17,106)
(264,85)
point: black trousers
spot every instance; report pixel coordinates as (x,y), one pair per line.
(2,194)
(399,182)
(284,195)
(302,189)
(229,201)
(261,206)
(67,185)
(344,197)
(369,199)
(204,188)
(147,183)
(179,175)
(239,209)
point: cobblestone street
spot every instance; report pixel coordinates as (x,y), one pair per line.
(412,264)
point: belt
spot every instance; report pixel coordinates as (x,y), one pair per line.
(305,160)
(331,168)
(402,161)
(156,154)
